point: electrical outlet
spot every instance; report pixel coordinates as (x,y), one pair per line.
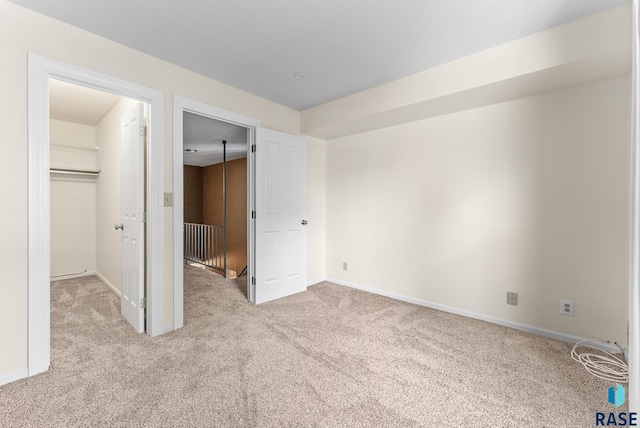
(566,307)
(344,265)
(512,298)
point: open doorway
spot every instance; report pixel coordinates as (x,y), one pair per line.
(276,207)
(40,71)
(215,194)
(81,167)
(97,168)
(248,124)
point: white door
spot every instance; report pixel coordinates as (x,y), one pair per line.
(132,200)
(281,211)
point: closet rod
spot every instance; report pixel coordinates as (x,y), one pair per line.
(74,171)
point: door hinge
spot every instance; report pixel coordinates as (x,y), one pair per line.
(253,148)
(253,215)
(143,302)
(143,131)
(253,280)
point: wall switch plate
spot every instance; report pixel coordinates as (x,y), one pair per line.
(566,307)
(344,265)
(168,199)
(512,298)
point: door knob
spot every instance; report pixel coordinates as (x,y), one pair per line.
(304,222)
(120,226)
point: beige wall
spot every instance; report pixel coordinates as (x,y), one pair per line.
(316,212)
(23,31)
(236,208)
(192,179)
(73,199)
(528,196)
(73,145)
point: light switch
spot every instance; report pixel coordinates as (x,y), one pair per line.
(168,199)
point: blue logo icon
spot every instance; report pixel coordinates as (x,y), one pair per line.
(616,395)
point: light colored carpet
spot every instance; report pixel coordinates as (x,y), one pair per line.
(332,356)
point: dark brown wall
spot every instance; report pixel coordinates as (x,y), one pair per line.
(236,207)
(212,194)
(192,194)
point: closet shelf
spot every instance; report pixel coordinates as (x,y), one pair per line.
(73,147)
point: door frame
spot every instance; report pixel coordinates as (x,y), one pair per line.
(633,326)
(180,105)
(39,70)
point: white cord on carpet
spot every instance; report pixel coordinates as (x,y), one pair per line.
(607,367)
(68,274)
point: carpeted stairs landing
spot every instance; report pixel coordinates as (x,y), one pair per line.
(329,357)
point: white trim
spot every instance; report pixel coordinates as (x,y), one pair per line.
(251,206)
(39,348)
(12,377)
(518,326)
(109,284)
(168,328)
(316,281)
(180,105)
(39,70)
(634,262)
(72,275)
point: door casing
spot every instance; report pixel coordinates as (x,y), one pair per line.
(39,71)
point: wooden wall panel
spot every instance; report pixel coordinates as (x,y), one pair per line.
(193,194)
(236,208)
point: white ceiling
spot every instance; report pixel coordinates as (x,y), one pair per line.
(342,46)
(205,135)
(77,104)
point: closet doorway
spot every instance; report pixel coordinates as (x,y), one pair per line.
(215,194)
(97,194)
(40,71)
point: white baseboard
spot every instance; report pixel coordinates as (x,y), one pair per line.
(518,326)
(12,377)
(108,284)
(316,281)
(167,328)
(76,275)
